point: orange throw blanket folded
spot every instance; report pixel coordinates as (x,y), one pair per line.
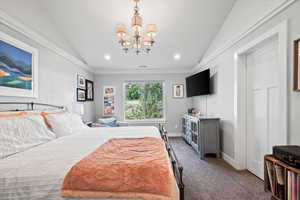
(129,168)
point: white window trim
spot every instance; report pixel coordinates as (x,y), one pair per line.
(135,121)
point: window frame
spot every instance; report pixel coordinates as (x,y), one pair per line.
(162,120)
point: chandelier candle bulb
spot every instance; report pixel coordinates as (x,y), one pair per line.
(137,41)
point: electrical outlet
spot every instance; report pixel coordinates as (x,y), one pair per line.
(176,126)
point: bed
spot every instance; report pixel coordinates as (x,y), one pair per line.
(38,173)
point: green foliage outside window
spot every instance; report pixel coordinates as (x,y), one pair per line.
(144,100)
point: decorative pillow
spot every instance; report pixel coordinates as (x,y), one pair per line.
(12,114)
(21,132)
(65,123)
(112,124)
(47,112)
(106,120)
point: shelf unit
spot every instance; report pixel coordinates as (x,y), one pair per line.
(276,186)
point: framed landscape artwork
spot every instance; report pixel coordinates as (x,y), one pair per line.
(178,91)
(18,68)
(297,65)
(81,95)
(89,90)
(81,82)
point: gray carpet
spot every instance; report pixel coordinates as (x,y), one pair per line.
(214,179)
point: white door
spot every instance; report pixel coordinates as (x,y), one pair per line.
(263,109)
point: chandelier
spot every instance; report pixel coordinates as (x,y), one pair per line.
(138,42)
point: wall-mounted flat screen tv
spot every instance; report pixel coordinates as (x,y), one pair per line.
(198,84)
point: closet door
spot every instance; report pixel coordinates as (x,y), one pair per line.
(263,109)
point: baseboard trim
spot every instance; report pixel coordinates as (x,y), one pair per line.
(174,134)
(231,161)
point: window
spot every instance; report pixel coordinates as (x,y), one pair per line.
(144,100)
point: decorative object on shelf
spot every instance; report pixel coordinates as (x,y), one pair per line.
(297,65)
(109,100)
(178,91)
(138,42)
(89,90)
(109,90)
(18,68)
(81,82)
(80,95)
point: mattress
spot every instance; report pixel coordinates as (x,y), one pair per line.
(38,173)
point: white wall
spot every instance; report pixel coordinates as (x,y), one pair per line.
(57,78)
(33,15)
(221,102)
(242,17)
(175,108)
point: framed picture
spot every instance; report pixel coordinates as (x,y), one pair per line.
(109,104)
(109,90)
(297,65)
(80,82)
(18,68)
(89,90)
(178,91)
(81,95)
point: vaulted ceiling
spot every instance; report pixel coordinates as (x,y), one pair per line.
(184,26)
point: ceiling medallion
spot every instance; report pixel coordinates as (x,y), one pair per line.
(139,43)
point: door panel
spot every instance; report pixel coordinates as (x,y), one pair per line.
(262,104)
(274,118)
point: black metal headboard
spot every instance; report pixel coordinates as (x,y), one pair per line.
(30,105)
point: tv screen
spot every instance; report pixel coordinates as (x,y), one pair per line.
(198,84)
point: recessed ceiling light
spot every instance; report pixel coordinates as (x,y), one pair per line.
(177,56)
(107,57)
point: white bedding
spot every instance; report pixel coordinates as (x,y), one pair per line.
(38,172)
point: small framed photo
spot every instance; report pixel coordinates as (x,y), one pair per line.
(109,90)
(89,90)
(178,91)
(81,82)
(81,95)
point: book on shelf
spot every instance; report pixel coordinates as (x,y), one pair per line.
(279,171)
(293,189)
(270,174)
(298,187)
(289,186)
(279,174)
(294,186)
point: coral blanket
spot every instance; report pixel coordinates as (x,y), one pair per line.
(129,168)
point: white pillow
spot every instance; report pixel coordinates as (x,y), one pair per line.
(21,133)
(64,124)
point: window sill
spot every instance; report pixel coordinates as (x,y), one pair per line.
(146,121)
